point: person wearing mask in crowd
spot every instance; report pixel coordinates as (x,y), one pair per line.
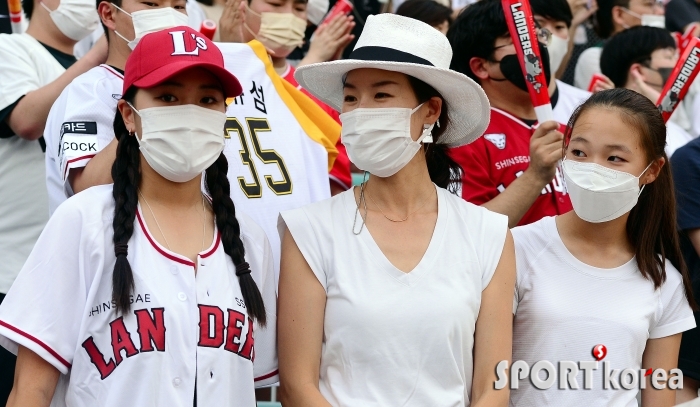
(512,169)
(612,17)
(163,261)
(365,273)
(80,141)
(641,59)
(34,68)
(281,26)
(686,175)
(609,272)
(555,16)
(428,11)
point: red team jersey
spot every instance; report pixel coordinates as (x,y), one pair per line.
(495,160)
(341,168)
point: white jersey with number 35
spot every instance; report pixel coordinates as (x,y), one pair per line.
(183,328)
(280,145)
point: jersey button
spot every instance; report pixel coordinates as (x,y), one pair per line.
(177,381)
(173,269)
(182,296)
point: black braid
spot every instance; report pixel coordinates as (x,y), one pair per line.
(225,213)
(126,174)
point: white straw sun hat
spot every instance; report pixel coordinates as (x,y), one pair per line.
(401,44)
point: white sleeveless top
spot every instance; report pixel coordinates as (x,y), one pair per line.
(395,338)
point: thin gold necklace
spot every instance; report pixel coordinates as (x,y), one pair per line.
(425,200)
(204,221)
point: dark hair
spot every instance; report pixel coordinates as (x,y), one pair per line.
(126,174)
(474,33)
(631,46)
(603,23)
(443,170)
(556,10)
(651,226)
(428,11)
(28,8)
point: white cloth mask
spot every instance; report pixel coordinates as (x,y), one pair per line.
(557,49)
(649,20)
(281,33)
(76,19)
(600,194)
(379,140)
(180,142)
(152,20)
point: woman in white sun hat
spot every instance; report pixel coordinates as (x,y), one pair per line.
(397,292)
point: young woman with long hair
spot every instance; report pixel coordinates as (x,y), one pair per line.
(605,282)
(397,292)
(148,291)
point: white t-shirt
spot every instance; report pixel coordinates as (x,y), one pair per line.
(80,124)
(676,137)
(569,99)
(587,65)
(25,65)
(182,329)
(566,307)
(393,338)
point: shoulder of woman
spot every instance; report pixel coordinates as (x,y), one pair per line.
(673,276)
(472,211)
(320,210)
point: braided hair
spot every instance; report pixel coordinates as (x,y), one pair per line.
(126,173)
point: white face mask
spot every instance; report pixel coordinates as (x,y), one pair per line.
(649,20)
(557,51)
(152,20)
(600,194)
(279,32)
(76,19)
(180,142)
(379,140)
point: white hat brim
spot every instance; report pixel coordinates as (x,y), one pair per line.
(468,107)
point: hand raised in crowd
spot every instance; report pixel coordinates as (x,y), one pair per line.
(603,84)
(545,150)
(329,40)
(231,21)
(582,11)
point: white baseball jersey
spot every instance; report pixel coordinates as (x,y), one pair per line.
(80,124)
(183,329)
(279,144)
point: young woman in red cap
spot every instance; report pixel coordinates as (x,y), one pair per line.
(147,291)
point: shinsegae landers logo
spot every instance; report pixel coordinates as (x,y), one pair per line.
(565,374)
(533,64)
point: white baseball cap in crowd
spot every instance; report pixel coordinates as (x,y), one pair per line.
(401,44)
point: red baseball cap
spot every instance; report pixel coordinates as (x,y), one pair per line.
(163,54)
